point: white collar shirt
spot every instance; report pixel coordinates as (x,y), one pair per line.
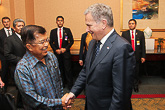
(6,31)
(103,40)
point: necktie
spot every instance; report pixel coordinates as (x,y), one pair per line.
(60,38)
(132,41)
(97,50)
(8,32)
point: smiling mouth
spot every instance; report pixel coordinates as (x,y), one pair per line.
(45,48)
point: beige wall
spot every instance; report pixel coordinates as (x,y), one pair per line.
(44,12)
(72,11)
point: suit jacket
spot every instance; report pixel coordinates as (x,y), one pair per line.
(83,49)
(67,41)
(2,39)
(13,50)
(140,51)
(109,79)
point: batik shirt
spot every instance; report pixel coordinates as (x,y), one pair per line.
(40,85)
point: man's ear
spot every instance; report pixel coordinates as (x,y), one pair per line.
(104,24)
(29,47)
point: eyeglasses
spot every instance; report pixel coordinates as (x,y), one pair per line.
(42,41)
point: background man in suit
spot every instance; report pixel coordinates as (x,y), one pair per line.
(13,46)
(61,40)
(4,33)
(137,40)
(14,50)
(108,72)
(85,39)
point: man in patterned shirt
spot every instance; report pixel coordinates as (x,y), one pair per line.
(37,74)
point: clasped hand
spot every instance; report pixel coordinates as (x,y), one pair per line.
(60,51)
(67,100)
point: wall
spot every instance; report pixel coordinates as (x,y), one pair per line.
(44,12)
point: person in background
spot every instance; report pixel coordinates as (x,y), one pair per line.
(5,32)
(37,74)
(108,72)
(13,46)
(137,40)
(85,39)
(61,40)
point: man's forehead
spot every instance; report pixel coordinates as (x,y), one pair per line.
(40,36)
(20,23)
(132,22)
(6,20)
(59,19)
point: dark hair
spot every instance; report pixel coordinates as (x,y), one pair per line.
(27,33)
(5,18)
(132,20)
(60,17)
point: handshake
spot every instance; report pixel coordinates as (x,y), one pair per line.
(67,100)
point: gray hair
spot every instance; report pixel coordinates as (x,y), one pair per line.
(18,20)
(100,11)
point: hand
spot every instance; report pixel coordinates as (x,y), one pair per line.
(58,51)
(142,60)
(1,83)
(66,105)
(63,101)
(69,99)
(81,62)
(63,50)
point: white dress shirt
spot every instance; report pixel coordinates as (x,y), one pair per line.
(103,40)
(6,31)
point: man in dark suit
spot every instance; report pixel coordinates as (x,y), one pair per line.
(61,40)
(4,33)
(13,46)
(14,51)
(85,39)
(137,40)
(108,72)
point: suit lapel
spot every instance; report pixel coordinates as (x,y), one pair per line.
(56,38)
(17,39)
(104,51)
(129,36)
(4,32)
(136,38)
(89,55)
(64,34)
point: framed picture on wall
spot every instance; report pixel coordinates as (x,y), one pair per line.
(148,13)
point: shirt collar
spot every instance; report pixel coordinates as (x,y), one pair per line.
(33,60)
(106,36)
(7,29)
(133,31)
(60,28)
(18,35)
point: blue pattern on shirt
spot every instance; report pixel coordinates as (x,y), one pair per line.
(40,85)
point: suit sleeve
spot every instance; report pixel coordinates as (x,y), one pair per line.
(82,47)
(8,51)
(122,77)
(143,46)
(1,44)
(71,41)
(51,41)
